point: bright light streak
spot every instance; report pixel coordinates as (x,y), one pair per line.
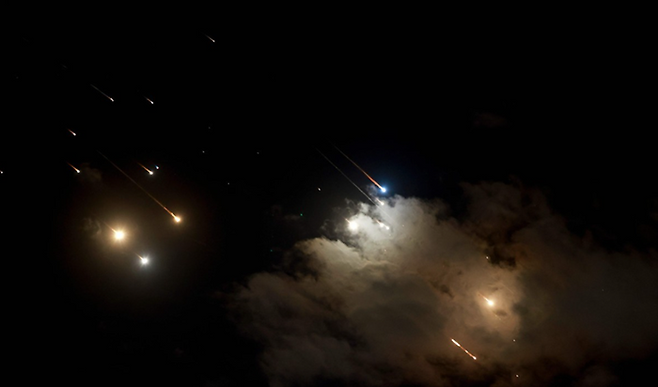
(176,218)
(143,260)
(104,95)
(361,169)
(464,349)
(488,301)
(150,172)
(74,168)
(72,132)
(345,176)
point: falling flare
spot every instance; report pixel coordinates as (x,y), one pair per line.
(489,302)
(464,349)
(361,169)
(150,172)
(176,218)
(344,175)
(143,260)
(74,168)
(104,95)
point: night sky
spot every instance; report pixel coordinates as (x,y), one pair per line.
(515,174)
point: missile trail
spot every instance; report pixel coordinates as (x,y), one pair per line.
(489,301)
(176,218)
(361,169)
(464,349)
(150,172)
(98,90)
(74,168)
(348,179)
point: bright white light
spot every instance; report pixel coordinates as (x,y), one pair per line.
(144,260)
(383,189)
(490,302)
(119,235)
(176,218)
(352,225)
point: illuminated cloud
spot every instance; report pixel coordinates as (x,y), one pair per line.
(379,306)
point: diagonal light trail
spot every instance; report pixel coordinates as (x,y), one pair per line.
(176,218)
(348,179)
(464,349)
(361,169)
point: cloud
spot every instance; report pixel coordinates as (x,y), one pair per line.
(379,305)
(89,174)
(92,227)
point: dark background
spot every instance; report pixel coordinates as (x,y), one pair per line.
(236,128)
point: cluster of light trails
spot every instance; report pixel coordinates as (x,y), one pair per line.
(176,218)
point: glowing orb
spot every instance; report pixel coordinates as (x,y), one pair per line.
(119,235)
(383,189)
(144,260)
(353,226)
(176,218)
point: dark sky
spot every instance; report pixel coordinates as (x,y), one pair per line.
(490,146)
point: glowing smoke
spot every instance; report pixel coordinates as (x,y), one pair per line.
(379,306)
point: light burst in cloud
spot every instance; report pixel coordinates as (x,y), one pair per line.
(379,305)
